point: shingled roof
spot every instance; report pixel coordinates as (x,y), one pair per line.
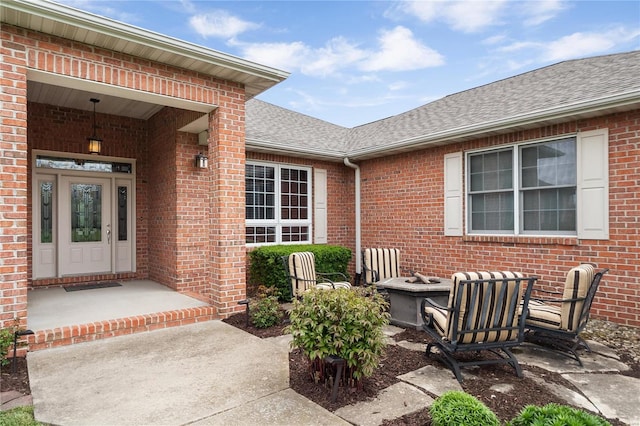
(567,90)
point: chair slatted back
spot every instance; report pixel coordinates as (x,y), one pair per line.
(302,272)
(579,281)
(485,307)
(380,264)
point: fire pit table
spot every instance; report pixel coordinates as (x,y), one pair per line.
(405,298)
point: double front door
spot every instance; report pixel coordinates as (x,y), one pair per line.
(82,226)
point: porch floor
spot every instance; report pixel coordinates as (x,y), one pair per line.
(54,307)
(61,318)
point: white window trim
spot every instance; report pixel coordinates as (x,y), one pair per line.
(277,222)
(516,206)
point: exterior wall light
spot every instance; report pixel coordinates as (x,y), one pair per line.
(202,162)
(95,142)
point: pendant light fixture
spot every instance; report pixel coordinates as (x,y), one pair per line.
(94,141)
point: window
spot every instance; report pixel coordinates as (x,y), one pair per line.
(278,204)
(524,189)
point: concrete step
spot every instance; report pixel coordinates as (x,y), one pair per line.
(69,335)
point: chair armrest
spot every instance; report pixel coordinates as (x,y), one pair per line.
(325,275)
(576,299)
(537,290)
(428,301)
(427,319)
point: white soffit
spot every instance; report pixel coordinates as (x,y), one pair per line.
(115,100)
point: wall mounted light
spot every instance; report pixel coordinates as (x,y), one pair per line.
(202,162)
(95,143)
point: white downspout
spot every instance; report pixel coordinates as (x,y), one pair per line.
(358,237)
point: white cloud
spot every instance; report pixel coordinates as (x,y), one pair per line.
(220,23)
(466,16)
(585,44)
(286,56)
(398,85)
(542,10)
(496,39)
(400,51)
(337,54)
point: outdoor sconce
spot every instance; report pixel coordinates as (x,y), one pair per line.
(95,142)
(202,162)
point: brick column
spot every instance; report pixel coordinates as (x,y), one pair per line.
(13,182)
(227,162)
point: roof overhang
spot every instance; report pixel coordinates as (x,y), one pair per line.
(626,101)
(270,147)
(73,24)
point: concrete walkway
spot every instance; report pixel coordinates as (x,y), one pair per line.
(214,374)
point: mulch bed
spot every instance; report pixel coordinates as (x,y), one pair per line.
(395,361)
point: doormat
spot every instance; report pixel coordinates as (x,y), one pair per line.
(91,286)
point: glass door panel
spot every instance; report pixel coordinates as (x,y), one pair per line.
(86,212)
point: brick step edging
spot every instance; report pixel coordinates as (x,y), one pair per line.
(63,336)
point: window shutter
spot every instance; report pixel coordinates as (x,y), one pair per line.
(320,205)
(593,184)
(453,194)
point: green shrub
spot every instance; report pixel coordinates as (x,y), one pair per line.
(266,267)
(344,323)
(264,309)
(6,340)
(555,414)
(455,408)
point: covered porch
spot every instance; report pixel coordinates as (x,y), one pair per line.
(59,317)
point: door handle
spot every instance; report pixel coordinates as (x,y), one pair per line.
(108,234)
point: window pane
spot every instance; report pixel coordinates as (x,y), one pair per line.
(46,212)
(492,212)
(549,164)
(122,213)
(491,171)
(260,194)
(549,169)
(86,213)
(295,233)
(549,210)
(260,234)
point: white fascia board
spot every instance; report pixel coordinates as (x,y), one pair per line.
(113,28)
(621,100)
(258,145)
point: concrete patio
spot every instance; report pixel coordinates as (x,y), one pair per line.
(210,373)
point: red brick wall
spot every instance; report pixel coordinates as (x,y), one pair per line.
(13,182)
(402,205)
(227,202)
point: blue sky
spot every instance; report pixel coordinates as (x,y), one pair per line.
(354,62)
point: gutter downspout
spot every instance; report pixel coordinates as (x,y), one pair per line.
(357,209)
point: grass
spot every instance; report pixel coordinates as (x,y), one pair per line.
(20,416)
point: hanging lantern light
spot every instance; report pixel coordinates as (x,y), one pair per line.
(95,143)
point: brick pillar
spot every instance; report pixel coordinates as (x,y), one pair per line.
(13,182)
(227,162)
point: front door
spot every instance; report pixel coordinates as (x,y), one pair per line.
(85,225)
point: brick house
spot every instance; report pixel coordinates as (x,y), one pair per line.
(537,172)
